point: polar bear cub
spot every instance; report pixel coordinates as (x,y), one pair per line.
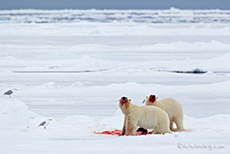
(172,107)
(148,117)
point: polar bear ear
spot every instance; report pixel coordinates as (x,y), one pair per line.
(143,101)
(130,100)
(156,97)
(147,96)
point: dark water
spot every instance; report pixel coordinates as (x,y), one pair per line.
(110,16)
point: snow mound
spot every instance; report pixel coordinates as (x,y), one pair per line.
(214,124)
(74,126)
(77,84)
(15,114)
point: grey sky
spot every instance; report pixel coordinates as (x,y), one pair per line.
(114,4)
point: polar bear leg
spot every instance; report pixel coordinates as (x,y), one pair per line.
(171,125)
(156,130)
(130,127)
(179,124)
(124,127)
(162,131)
(162,128)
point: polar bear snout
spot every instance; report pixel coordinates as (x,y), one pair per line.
(152,98)
(123,100)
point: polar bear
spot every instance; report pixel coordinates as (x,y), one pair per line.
(148,117)
(171,106)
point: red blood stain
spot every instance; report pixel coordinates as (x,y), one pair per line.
(142,131)
(114,132)
(130,129)
(152,98)
(118,132)
(123,102)
(138,132)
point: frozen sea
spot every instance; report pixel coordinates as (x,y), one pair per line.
(74,65)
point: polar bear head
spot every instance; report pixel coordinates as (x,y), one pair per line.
(124,103)
(150,99)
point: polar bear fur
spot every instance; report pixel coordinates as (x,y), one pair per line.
(148,117)
(172,107)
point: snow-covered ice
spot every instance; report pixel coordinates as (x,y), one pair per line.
(74,65)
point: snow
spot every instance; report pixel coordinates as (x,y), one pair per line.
(74,65)
(75,133)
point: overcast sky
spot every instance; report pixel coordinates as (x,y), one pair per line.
(114,4)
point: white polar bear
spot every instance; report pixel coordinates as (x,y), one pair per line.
(148,117)
(172,107)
